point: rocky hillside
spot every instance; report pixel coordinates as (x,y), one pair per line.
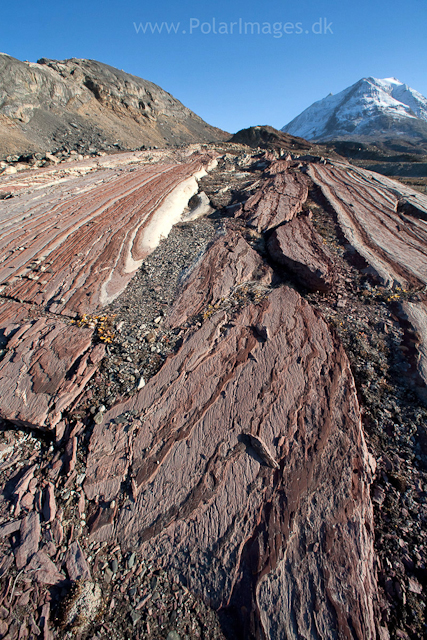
(212,374)
(370,110)
(87,106)
(267,137)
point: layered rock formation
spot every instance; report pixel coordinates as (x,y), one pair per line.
(298,247)
(71,242)
(232,482)
(268,528)
(281,198)
(384,223)
(381,219)
(88,106)
(47,365)
(416,314)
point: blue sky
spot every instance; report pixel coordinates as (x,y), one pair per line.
(232,80)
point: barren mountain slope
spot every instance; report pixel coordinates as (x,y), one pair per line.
(83,105)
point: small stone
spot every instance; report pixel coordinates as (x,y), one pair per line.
(76,563)
(141,383)
(10,170)
(49,506)
(80,479)
(131,560)
(114,565)
(173,635)
(98,418)
(414,586)
(29,540)
(150,337)
(135,616)
(52,158)
(158,320)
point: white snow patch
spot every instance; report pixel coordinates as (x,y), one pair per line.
(353,108)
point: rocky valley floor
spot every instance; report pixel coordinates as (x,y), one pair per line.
(231,441)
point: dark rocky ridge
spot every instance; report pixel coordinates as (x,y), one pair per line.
(266,137)
(88,106)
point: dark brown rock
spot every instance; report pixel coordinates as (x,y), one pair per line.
(49,506)
(297,246)
(44,570)
(101,523)
(70,456)
(269,138)
(29,540)
(75,561)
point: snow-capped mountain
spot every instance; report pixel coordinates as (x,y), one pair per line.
(369,108)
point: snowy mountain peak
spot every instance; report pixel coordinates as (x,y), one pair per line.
(371,107)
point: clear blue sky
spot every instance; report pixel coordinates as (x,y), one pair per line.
(231,80)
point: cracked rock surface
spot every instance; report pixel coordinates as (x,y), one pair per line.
(238,450)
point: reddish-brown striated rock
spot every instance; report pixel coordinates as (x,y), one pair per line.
(298,247)
(29,540)
(21,488)
(72,243)
(44,570)
(49,506)
(371,213)
(12,316)
(75,561)
(77,244)
(291,545)
(70,457)
(9,528)
(277,200)
(238,265)
(416,314)
(38,374)
(58,532)
(101,523)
